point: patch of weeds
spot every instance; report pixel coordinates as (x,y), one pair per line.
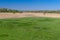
(12,39)
(25,24)
(8,25)
(46,19)
(44,28)
(14,22)
(1,21)
(4,35)
(37,28)
(40,28)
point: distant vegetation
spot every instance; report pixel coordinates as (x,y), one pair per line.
(18,11)
(9,10)
(45,11)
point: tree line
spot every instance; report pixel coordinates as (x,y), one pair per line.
(18,11)
(45,11)
(9,10)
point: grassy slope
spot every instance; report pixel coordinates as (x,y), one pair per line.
(30,29)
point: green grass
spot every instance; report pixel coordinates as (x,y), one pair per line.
(30,29)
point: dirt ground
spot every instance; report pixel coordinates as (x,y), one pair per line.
(20,15)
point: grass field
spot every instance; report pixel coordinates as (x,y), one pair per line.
(30,29)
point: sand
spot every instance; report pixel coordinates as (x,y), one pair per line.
(20,15)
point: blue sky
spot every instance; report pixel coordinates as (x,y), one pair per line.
(31,4)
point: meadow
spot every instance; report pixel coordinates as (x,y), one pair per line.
(30,28)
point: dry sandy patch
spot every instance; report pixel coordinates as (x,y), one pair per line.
(20,15)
